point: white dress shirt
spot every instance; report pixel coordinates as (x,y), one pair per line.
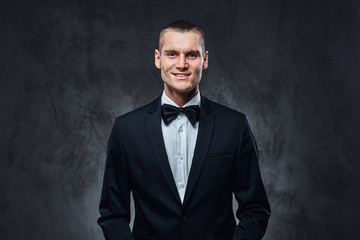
(180,138)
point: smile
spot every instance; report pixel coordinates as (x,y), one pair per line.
(181,75)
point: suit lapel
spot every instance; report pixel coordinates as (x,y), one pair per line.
(206,127)
(153,127)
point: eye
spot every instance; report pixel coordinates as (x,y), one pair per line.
(171,54)
(192,55)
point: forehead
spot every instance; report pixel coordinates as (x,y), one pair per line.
(182,41)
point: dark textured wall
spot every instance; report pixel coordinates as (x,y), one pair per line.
(67,68)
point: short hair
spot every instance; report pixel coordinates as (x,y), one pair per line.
(182,26)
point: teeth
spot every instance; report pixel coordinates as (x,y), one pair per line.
(181,75)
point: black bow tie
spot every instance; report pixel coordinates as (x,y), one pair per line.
(169,113)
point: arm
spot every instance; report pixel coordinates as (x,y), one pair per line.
(115,196)
(254,208)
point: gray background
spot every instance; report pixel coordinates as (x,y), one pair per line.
(68,68)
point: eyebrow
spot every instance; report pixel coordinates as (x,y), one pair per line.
(186,53)
(169,51)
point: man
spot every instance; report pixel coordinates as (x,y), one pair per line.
(182,156)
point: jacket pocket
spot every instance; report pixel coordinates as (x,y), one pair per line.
(141,231)
(219,154)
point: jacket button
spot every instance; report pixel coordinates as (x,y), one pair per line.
(183,218)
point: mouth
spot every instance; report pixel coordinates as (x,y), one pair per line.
(181,75)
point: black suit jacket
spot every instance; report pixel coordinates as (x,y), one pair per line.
(225,162)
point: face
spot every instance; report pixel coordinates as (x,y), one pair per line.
(181,62)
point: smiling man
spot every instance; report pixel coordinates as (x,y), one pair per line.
(181,58)
(183,157)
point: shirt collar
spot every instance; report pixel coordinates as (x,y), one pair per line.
(194,101)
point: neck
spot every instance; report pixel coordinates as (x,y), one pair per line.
(181,98)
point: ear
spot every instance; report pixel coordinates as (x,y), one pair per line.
(157,59)
(206,60)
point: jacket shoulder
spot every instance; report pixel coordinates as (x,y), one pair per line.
(138,113)
(224,111)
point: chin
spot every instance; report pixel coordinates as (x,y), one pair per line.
(181,88)
(184,89)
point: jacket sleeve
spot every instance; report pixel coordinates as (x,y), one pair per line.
(115,197)
(254,209)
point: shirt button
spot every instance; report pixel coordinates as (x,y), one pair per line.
(181,185)
(181,157)
(180,130)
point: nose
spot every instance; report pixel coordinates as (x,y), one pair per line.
(182,64)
